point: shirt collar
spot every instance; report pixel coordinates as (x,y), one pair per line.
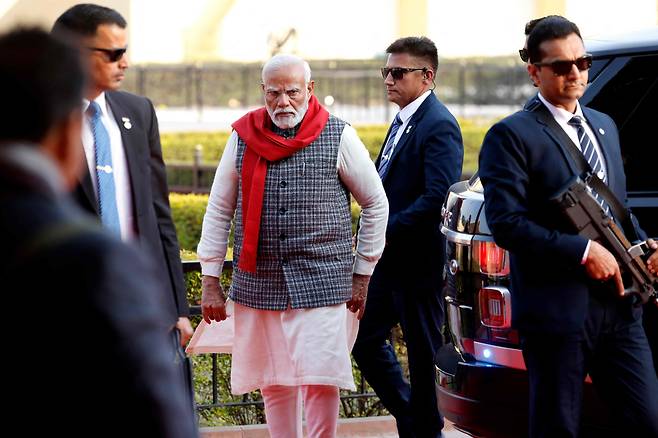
(409,110)
(560,114)
(100,100)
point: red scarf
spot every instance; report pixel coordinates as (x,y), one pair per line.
(263,145)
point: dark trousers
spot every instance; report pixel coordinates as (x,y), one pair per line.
(613,349)
(420,314)
(184,367)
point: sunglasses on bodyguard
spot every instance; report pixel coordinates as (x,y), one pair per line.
(562,68)
(397,73)
(112,55)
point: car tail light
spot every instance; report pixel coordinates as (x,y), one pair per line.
(491,258)
(495,307)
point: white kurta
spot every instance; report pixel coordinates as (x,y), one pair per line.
(296,346)
(292,347)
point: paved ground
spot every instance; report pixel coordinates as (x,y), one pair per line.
(370,427)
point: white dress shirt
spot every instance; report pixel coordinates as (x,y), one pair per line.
(355,169)
(119,165)
(563,116)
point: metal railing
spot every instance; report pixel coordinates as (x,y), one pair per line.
(343,83)
(194,177)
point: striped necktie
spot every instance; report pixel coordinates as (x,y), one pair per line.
(592,157)
(107,200)
(388,149)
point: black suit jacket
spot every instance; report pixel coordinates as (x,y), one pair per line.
(426,161)
(89,322)
(150,194)
(524,161)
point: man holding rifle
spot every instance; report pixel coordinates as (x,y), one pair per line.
(565,287)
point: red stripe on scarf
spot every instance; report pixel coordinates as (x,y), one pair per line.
(263,146)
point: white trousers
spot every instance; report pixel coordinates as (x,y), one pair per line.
(283,410)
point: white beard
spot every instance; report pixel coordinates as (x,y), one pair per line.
(293,117)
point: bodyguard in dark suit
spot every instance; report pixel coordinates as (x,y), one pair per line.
(87,309)
(125,185)
(421,157)
(565,288)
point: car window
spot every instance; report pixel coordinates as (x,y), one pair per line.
(597,66)
(631,99)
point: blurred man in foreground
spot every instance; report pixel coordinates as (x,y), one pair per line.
(84,301)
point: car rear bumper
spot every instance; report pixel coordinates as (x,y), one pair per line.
(491,401)
(480,398)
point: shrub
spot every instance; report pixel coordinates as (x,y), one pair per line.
(187,212)
(180,146)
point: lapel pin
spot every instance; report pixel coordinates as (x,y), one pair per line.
(126,122)
(601,131)
(408,129)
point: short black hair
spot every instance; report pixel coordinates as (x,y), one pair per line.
(523,53)
(420,47)
(42,82)
(549,28)
(531,25)
(83,20)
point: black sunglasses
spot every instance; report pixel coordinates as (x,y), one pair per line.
(112,55)
(523,54)
(398,72)
(561,68)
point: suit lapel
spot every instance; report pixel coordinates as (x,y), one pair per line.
(554,131)
(86,186)
(409,129)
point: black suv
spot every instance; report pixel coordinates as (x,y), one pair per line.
(481,379)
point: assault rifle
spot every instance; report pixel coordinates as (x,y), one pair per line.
(590,220)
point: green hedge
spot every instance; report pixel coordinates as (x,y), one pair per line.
(188,211)
(179,147)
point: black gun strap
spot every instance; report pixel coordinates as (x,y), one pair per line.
(583,167)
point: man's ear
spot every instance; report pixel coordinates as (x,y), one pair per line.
(63,143)
(310,87)
(533,72)
(428,75)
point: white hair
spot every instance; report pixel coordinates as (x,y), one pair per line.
(279,61)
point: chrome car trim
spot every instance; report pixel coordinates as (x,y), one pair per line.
(463,238)
(503,356)
(507,357)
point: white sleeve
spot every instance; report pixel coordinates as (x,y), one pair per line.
(358,173)
(219,213)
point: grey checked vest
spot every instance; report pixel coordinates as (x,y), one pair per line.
(305,242)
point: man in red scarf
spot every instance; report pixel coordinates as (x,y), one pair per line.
(286,178)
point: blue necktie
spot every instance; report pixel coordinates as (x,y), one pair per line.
(388,149)
(107,200)
(592,157)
